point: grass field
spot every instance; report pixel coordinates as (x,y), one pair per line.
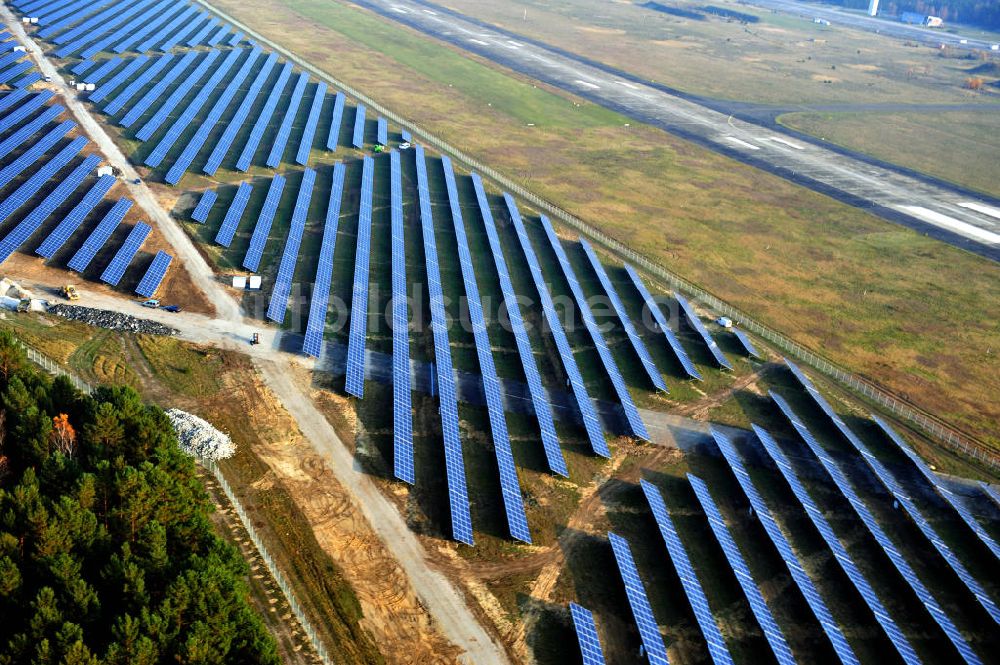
(955,146)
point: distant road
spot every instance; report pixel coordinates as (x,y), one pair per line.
(923,204)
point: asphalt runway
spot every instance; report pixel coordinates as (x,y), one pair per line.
(928,206)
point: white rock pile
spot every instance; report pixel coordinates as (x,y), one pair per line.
(198,438)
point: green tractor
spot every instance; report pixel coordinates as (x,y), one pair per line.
(379,148)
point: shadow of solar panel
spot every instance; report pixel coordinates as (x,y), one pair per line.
(747,345)
(649,631)
(355,382)
(95,241)
(313,338)
(114,271)
(586,635)
(154,94)
(699,327)
(204,206)
(180,92)
(59,235)
(358,137)
(664,325)
(157,270)
(260,126)
(290,255)
(336,118)
(309,133)
(263,227)
(224,236)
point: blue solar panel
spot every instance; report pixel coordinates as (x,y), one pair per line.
(202,34)
(663,324)
(586,635)
(40,178)
(95,241)
(686,573)
(260,126)
(539,398)
(263,227)
(154,275)
(161,86)
(309,133)
(285,129)
(772,633)
(12,98)
(887,544)
(953,500)
(181,33)
(116,268)
(224,236)
(126,30)
(175,98)
(695,322)
(649,631)
(102,35)
(23,111)
(81,67)
(623,317)
(747,345)
(187,117)
(133,88)
(588,415)
(204,206)
(67,15)
(58,237)
(991,492)
(33,77)
(8,46)
(55,198)
(840,553)
(382,132)
(313,342)
(517,521)
(405,135)
(15,71)
(236,123)
(98,23)
(118,79)
(289,257)
(799,576)
(358,138)
(10,58)
(157,27)
(197,141)
(610,367)
(218,35)
(458,495)
(235,39)
(13,141)
(889,482)
(335,121)
(355,384)
(35,152)
(402,410)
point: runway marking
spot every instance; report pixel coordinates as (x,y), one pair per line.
(401,10)
(587,85)
(778,139)
(742,144)
(511,45)
(947,222)
(427,11)
(626,84)
(478,41)
(514,44)
(980,207)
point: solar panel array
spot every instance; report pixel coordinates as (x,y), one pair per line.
(405,135)
(125,31)
(24,110)
(278,305)
(175,98)
(116,268)
(218,36)
(355,384)
(382,131)
(942,489)
(649,631)
(889,482)
(799,575)
(185,18)
(458,495)
(157,270)
(69,224)
(236,39)
(695,322)
(358,138)
(224,236)
(99,236)
(35,152)
(285,129)
(263,227)
(336,118)
(772,633)
(99,74)
(106,34)
(154,93)
(517,521)
(685,572)
(9,75)
(203,33)
(29,79)
(840,553)
(186,29)
(204,206)
(10,58)
(748,346)
(82,66)
(55,198)
(539,398)
(240,117)
(610,367)
(96,23)
(623,317)
(40,178)
(116,81)
(661,321)
(133,88)
(588,415)
(868,519)
(313,341)
(586,635)
(12,98)
(260,126)
(402,411)
(151,27)
(309,133)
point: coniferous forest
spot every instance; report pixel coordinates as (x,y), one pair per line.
(107,554)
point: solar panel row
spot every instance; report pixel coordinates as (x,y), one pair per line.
(539,398)
(40,178)
(316,323)
(586,635)
(95,241)
(185,29)
(517,521)
(224,236)
(116,81)
(242,112)
(180,92)
(115,269)
(588,415)
(355,383)
(686,573)
(31,78)
(203,33)
(802,580)
(402,410)
(35,152)
(161,86)
(83,21)
(97,23)
(664,325)
(236,39)
(216,38)
(10,74)
(747,345)
(69,224)
(623,317)
(840,553)
(260,126)
(458,495)
(649,631)
(699,327)
(133,88)
(82,66)
(309,133)
(887,544)
(23,111)
(382,132)
(990,491)
(333,138)
(10,58)
(405,135)
(635,423)
(55,18)
(126,30)
(285,129)
(105,35)
(157,270)
(289,257)
(12,98)
(204,206)
(263,227)
(156,30)
(358,137)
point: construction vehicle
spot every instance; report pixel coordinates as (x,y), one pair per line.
(69,291)
(255,340)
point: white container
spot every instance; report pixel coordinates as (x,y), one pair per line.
(81,87)
(91,87)
(255,282)
(104,170)
(34,20)
(239,282)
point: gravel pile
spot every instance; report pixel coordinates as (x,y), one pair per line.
(198,438)
(103,318)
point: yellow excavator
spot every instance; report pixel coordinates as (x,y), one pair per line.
(70,292)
